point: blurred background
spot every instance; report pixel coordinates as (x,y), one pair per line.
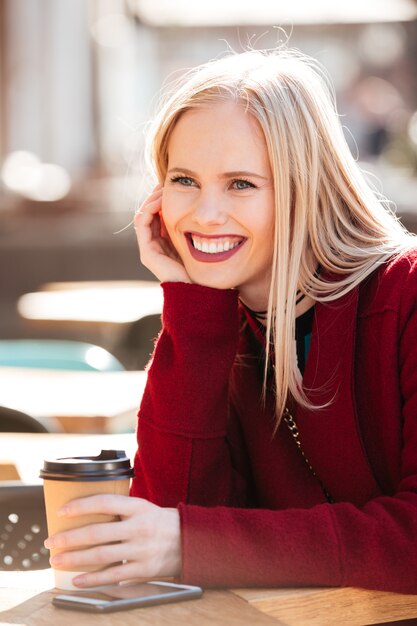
(79,80)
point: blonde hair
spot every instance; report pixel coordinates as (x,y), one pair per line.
(324,206)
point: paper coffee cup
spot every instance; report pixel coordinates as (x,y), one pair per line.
(77,477)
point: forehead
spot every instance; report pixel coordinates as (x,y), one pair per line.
(223,130)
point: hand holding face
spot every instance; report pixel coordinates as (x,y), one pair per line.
(156,250)
(146,539)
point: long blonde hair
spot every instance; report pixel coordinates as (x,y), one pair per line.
(324,207)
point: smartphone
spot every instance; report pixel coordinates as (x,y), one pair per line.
(126,596)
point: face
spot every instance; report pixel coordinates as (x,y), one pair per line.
(218,200)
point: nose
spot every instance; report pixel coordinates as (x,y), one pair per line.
(209,210)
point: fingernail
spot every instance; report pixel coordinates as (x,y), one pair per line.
(55,560)
(79,580)
(49,543)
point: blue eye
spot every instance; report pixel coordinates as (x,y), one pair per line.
(241,184)
(186,181)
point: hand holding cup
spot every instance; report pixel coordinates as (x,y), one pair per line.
(68,478)
(144,543)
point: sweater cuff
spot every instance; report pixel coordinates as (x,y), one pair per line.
(203,311)
(231,547)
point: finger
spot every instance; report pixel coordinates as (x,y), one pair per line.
(154,198)
(146,215)
(88,535)
(111,575)
(158,187)
(146,222)
(107,504)
(155,191)
(148,232)
(98,555)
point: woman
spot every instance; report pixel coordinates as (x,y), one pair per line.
(265,459)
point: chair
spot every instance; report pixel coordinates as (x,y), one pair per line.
(56,354)
(13,421)
(137,345)
(23,527)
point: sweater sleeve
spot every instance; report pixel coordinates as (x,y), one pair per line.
(186,459)
(183,451)
(373,546)
(327,545)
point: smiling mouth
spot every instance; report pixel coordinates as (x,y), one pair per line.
(214,248)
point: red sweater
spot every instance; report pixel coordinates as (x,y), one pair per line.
(251,512)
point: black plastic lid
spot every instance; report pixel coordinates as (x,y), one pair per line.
(108,465)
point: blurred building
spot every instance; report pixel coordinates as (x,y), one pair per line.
(79,80)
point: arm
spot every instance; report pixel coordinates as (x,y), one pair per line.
(333,545)
(183,453)
(373,546)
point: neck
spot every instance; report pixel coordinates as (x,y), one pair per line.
(262,314)
(304,305)
(257,304)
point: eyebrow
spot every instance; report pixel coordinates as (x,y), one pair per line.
(234,174)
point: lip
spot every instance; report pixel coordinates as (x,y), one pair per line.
(215,257)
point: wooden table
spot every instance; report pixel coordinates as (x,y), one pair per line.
(26,600)
(25,597)
(76,401)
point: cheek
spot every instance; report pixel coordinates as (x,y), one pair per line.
(172,210)
(267,220)
(174,207)
(168,211)
(260,221)
(265,235)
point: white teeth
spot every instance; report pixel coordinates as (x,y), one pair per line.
(214,246)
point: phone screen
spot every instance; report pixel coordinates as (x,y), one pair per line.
(127,596)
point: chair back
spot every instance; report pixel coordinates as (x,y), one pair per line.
(137,344)
(13,421)
(23,527)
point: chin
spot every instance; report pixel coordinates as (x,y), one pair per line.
(215,282)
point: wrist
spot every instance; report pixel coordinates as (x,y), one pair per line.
(199,305)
